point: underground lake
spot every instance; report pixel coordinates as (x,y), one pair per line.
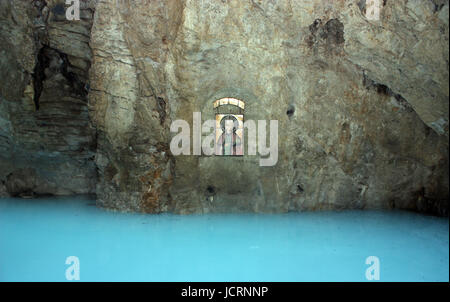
(39,237)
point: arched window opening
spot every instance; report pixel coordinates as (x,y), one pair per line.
(229,127)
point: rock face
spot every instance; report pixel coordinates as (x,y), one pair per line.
(44,119)
(362,105)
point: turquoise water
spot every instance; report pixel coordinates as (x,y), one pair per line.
(36,237)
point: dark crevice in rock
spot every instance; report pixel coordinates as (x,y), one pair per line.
(385,90)
(334,32)
(438,5)
(300,189)
(42,61)
(211,190)
(313,28)
(39,77)
(290,112)
(161,108)
(78,86)
(58,62)
(329,35)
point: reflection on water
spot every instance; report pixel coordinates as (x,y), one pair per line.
(36,237)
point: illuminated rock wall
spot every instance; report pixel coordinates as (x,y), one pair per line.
(362,105)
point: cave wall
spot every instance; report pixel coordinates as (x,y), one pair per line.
(47,143)
(362,105)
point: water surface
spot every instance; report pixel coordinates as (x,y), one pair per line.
(36,237)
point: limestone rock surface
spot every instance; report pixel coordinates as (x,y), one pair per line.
(44,119)
(361,105)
